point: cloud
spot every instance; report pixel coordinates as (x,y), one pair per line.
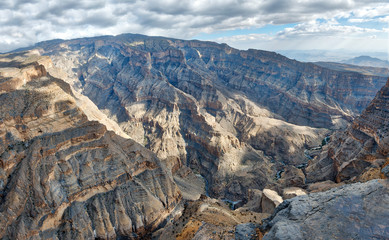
(24,22)
(315,34)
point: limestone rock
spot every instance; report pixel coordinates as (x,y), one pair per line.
(352,211)
(293,192)
(323,186)
(254,199)
(246,231)
(230,115)
(359,153)
(270,200)
(65,177)
(292,177)
(385,171)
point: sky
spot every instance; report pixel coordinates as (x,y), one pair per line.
(344,25)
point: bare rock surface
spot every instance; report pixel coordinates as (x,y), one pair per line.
(270,200)
(352,211)
(359,153)
(63,176)
(231,115)
(254,199)
(246,231)
(293,192)
(208,218)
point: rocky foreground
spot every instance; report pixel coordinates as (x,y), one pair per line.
(354,211)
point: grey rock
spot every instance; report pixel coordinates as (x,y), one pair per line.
(353,211)
(270,200)
(356,154)
(223,112)
(246,231)
(385,171)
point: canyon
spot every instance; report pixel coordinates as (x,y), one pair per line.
(141,137)
(235,117)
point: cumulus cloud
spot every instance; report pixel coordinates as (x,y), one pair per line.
(24,22)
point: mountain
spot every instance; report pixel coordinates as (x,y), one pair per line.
(375,71)
(360,152)
(136,137)
(367,61)
(235,117)
(65,176)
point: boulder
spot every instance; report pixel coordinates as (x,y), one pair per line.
(293,192)
(385,171)
(270,200)
(292,177)
(254,200)
(246,231)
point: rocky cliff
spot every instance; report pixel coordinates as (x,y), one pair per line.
(234,116)
(353,211)
(361,152)
(64,176)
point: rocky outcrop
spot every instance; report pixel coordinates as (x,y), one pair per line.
(63,176)
(359,153)
(354,211)
(270,200)
(208,218)
(292,177)
(293,192)
(246,231)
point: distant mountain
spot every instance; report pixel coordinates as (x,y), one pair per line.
(328,55)
(375,71)
(367,61)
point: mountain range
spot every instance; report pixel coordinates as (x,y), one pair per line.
(137,137)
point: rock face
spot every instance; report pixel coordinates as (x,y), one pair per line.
(353,211)
(359,153)
(246,231)
(208,218)
(233,116)
(64,176)
(293,192)
(270,200)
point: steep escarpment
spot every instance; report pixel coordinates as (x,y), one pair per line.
(236,117)
(64,176)
(359,153)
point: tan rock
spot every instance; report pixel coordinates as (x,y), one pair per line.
(66,177)
(323,186)
(293,192)
(254,200)
(292,177)
(270,200)
(357,153)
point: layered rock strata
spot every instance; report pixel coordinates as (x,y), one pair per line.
(359,153)
(63,176)
(225,113)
